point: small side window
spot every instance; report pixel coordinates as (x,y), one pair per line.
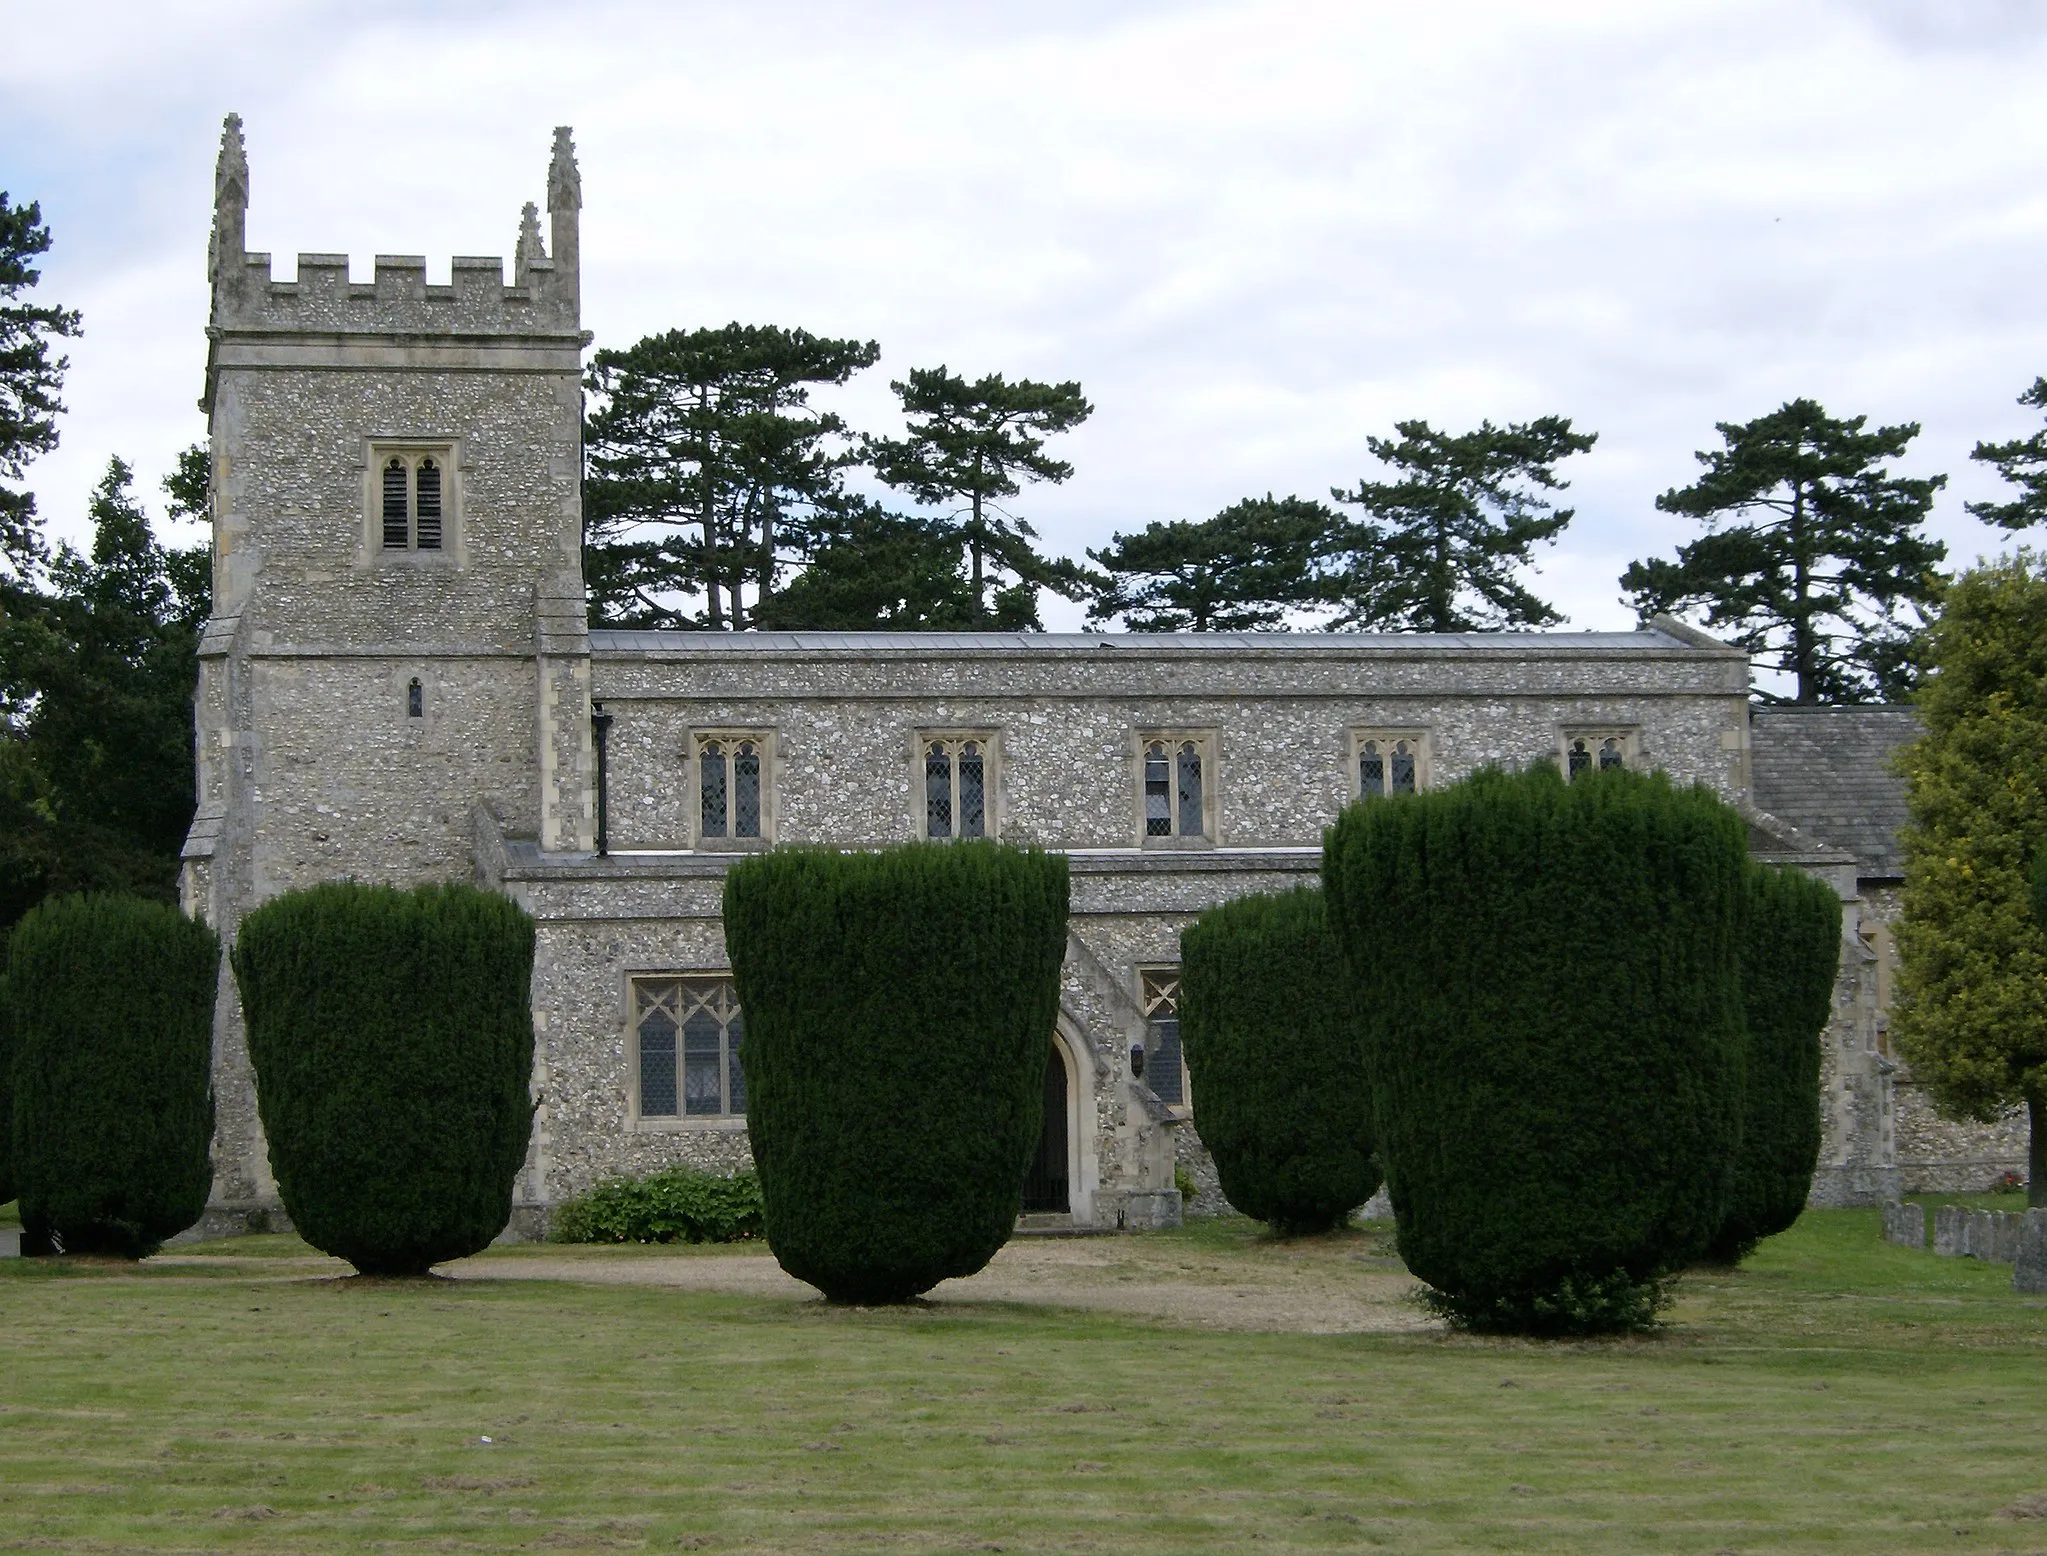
(415,700)
(732,789)
(1389,762)
(955,770)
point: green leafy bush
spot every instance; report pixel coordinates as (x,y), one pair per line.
(6,1096)
(110,1005)
(1272,1043)
(1791,946)
(1549,981)
(392,1038)
(678,1205)
(899,1014)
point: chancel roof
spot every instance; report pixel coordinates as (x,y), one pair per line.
(1827,771)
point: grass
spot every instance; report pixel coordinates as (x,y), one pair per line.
(1835,1394)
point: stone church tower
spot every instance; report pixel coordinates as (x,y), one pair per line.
(398,630)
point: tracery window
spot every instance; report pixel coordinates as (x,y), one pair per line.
(731,788)
(412,498)
(1165,1068)
(1177,780)
(1598,751)
(958,775)
(1389,762)
(687,1032)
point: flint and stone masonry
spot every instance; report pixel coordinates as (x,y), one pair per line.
(399,685)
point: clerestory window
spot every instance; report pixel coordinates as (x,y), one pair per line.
(956,784)
(1588,751)
(412,499)
(732,789)
(1165,1068)
(1177,788)
(687,1031)
(1388,762)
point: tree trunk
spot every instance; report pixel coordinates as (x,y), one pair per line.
(974,552)
(2036,1164)
(710,515)
(1801,590)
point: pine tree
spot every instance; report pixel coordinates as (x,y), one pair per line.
(1827,551)
(1971,1011)
(1440,544)
(972,444)
(30,379)
(1242,570)
(2023,462)
(708,468)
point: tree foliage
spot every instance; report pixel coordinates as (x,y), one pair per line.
(97,667)
(1441,542)
(899,1014)
(391,1033)
(1791,949)
(1548,978)
(30,381)
(1971,1008)
(973,444)
(110,1003)
(889,572)
(1244,570)
(1823,552)
(2023,462)
(709,469)
(1273,1048)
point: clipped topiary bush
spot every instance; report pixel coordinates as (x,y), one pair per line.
(1791,945)
(1549,982)
(677,1205)
(6,1096)
(110,1007)
(392,1038)
(899,1012)
(1272,1043)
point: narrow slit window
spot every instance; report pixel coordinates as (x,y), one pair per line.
(937,790)
(711,787)
(973,791)
(1158,792)
(397,526)
(415,700)
(746,790)
(428,508)
(1189,766)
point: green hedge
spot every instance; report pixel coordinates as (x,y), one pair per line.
(899,1014)
(392,1038)
(6,1094)
(1549,981)
(1273,1047)
(1791,946)
(110,1005)
(677,1205)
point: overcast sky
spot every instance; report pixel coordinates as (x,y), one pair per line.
(1255,233)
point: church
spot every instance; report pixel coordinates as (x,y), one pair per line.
(399,684)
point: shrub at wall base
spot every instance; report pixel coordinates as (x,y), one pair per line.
(1550,990)
(1791,946)
(1272,1043)
(391,1034)
(676,1205)
(110,1005)
(899,1014)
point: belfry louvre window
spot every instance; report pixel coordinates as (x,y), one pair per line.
(1165,1070)
(412,499)
(1177,778)
(1388,762)
(1599,751)
(957,774)
(731,787)
(687,1033)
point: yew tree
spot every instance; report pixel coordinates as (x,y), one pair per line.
(1813,552)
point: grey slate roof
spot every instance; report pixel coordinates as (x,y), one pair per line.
(1827,771)
(764,644)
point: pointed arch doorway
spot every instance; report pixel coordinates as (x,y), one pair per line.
(1048,1185)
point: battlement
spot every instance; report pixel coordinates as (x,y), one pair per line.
(321,310)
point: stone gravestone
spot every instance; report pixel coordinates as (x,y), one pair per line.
(2029,1272)
(1905,1225)
(1949,1223)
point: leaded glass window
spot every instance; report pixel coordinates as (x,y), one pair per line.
(1596,752)
(1187,768)
(689,1031)
(1158,791)
(746,790)
(1390,762)
(956,785)
(731,787)
(1164,1068)
(712,787)
(1610,755)
(1176,771)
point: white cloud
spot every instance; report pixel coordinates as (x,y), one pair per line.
(1254,232)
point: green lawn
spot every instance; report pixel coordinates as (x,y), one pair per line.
(1837,1394)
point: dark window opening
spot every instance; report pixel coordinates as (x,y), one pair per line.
(973,792)
(429,506)
(1158,793)
(1190,790)
(1403,767)
(711,787)
(746,796)
(415,700)
(397,536)
(1371,771)
(937,791)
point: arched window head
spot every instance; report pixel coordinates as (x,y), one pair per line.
(427,507)
(397,525)
(415,699)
